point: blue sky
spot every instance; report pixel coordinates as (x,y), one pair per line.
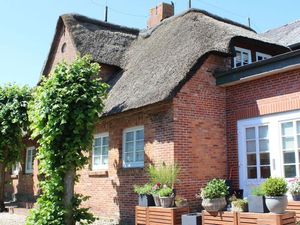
(27,26)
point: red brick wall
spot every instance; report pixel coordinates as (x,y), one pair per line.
(199,129)
(273,94)
(112,194)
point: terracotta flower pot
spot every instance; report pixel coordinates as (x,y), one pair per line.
(214,205)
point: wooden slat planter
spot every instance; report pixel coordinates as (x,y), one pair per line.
(159,215)
(245,218)
(294,206)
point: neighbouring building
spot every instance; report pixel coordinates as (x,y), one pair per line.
(205,92)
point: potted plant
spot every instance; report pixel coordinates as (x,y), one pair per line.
(213,195)
(238,205)
(257,201)
(166,197)
(181,202)
(145,196)
(294,189)
(275,192)
(155,193)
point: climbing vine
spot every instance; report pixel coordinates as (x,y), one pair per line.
(13,123)
(63,113)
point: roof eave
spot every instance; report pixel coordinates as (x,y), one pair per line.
(274,65)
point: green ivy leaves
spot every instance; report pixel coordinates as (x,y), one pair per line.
(63,113)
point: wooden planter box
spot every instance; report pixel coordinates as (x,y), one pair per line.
(246,218)
(294,206)
(159,215)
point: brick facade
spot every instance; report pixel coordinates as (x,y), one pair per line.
(273,94)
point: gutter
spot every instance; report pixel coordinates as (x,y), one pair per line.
(278,64)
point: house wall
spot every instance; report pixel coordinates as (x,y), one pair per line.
(200,129)
(112,190)
(273,94)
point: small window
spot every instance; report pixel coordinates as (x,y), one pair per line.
(30,154)
(242,57)
(15,169)
(63,47)
(261,56)
(133,147)
(100,152)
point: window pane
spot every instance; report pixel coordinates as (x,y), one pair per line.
(264,159)
(263,132)
(251,146)
(238,59)
(287,143)
(265,172)
(140,135)
(140,156)
(97,160)
(298,127)
(105,150)
(129,157)
(105,140)
(289,157)
(251,159)
(298,138)
(290,171)
(250,133)
(139,145)
(97,151)
(287,129)
(252,174)
(245,58)
(97,141)
(105,160)
(129,136)
(264,145)
(129,147)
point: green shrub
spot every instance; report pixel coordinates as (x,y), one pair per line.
(258,191)
(143,190)
(275,187)
(165,192)
(239,203)
(215,188)
(164,174)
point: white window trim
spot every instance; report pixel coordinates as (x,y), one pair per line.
(132,164)
(28,171)
(262,55)
(242,50)
(101,166)
(276,155)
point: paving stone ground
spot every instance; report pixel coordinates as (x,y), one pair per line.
(12,219)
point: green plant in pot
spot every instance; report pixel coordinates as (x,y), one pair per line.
(275,192)
(294,189)
(145,195)
(238,205)
(257,201)
(166,197)
(213,195)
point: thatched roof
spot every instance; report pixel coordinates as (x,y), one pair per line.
(155,63)
(287,35)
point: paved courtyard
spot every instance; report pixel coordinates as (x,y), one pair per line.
(12,219)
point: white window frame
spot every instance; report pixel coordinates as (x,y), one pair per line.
(265,56)
(133,164)
(101,166)
(32,149)
(242,50)
(274,122)
(15,169)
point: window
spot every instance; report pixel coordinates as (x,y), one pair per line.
(261,56)
(133,147)
(100,151)
(30,153)
(64,47)
(242,57)
(15,169)
(258,156)
(290,146)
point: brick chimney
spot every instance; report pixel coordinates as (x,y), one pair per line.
(159,13)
